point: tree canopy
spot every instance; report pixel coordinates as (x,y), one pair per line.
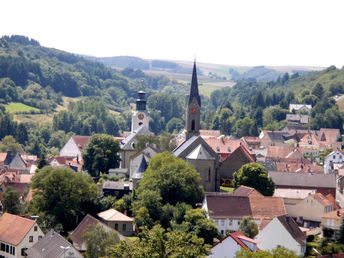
(249,227)
(254,175)
(60,195)
(101,154)
(10,201)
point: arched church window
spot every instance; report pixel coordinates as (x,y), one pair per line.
(193,125)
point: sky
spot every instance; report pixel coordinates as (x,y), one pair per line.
(240,32)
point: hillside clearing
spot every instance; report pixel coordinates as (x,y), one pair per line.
(16,107)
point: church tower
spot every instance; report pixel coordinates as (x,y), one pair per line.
(140,115)
(193,109)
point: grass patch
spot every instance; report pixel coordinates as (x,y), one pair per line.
(340,104)
(133,238)
(15,107)
(206,90)
(226,189)
(36,118)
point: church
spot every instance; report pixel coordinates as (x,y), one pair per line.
(194,149)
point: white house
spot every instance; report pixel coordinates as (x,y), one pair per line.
(17,234)
(335,157)
(230,244)
(74,147)
(299,107)
(282,231)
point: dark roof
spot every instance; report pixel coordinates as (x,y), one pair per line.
(303,179)
(14,161)
(127,143)
(194,87)
(49,246)
(276,135)
(76,236)
(117,185)
(270,165)
(182,147)
(293,229)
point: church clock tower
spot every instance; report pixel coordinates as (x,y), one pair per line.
(193,109)
(140,115)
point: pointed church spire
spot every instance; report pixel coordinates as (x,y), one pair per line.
(194,86)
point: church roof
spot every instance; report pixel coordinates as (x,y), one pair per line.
(141,169)
(200,153)
(127,143)
(194,87)
(182,147)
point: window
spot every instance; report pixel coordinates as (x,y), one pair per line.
(193,125)
(222,222)
(209,171)
(23,251)
(14,250)
(35,228)
(116,226)
(3,247)
(222,232)
(39,238)
(30,239)
(7,248)
(124,227)
(230,222)
(238,222)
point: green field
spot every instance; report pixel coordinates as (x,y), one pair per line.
(15,107)
(206,90)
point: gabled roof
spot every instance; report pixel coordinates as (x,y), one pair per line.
(113,215)
(322,199)
(303,179)
(81,141)
(49,246)
(337,214)
(127,143)
(236,207)
(200,153)
(279,151)
(3,156)
(14,228)
(290,225)
(239,238)
(117,185)
(246,191)
(138,174)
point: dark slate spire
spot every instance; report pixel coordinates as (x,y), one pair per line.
(194,86)
(143,166)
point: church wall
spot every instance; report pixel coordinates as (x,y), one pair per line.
(202,167)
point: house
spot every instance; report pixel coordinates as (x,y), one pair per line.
(239,157)
(309,210)
(297,108)
(120,172)
(66,162)
(74,146)
(335,157)
(298,119)
(53,245)
(232,243)
(76,236)
(272,138)
(17,234)
(293,196)
(282,231)
(227,210)
(332,219)
(322,183)
(118,221)
(117,188)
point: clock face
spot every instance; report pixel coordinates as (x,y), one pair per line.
(193,110)
(141,116)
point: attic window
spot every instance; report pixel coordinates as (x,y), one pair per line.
(228,149)
(217,148)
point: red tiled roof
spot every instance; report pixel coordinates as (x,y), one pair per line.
(81,141)
(337,214)
(279,151)
(14,228)
(300,166)
(237,237)
(333,201)
(322,199)
(246,191)
(76,236)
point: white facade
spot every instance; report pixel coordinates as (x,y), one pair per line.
(31,238)
(224,224)
(226,249)
(335,157)
(275,235)
(139,118)
(70,149)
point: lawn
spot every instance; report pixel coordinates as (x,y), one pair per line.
(226,189)
(15,107)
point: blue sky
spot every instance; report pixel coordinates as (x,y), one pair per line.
(241,32)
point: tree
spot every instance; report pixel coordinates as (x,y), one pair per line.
(274,253)
(339,234)
(42,162)
(249,227)
(101,154)
(9,143)
(159,243)
(173,178)
(318,90)
(10,201)
(254,175)
(60,196)
(196,222)
(98,240)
